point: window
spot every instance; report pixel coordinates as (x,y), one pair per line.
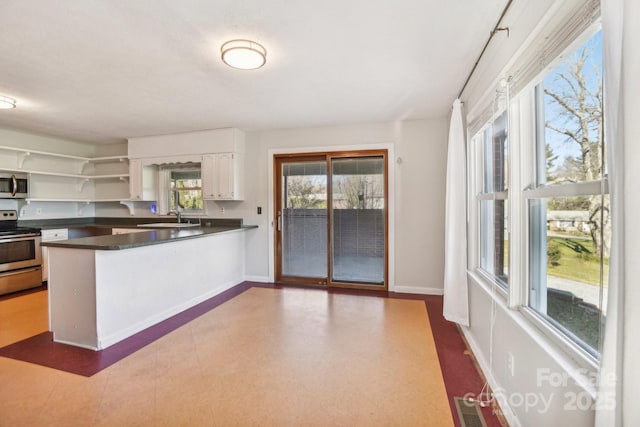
(181,188)
(541,158)
(492,199)
(567,203)
(185,190)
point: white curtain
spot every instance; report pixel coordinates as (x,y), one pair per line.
(610,404)
(456,294)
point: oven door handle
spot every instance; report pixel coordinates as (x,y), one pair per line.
(14,181)
(22,237)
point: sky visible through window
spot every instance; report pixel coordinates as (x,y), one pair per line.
(560,145)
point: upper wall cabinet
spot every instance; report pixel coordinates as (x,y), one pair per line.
(142,181)
(220,151)
(223,176)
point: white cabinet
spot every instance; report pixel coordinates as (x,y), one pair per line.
(50,236)
(223,176)
(207,167)
(142,181)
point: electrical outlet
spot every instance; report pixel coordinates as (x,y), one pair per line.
(222,209)
(511,364)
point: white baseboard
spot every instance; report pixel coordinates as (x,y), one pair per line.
(400,289)
(418,290)
(109,340)
(260,279)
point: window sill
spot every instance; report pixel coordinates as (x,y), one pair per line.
(577,363)
(493,283)
(574,351)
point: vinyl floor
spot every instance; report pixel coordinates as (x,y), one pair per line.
(281,356)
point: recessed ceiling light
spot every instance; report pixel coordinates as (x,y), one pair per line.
(243,54)
(7,103)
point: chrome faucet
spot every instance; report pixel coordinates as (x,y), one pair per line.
(177,213)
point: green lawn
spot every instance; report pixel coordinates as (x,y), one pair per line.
(575,260)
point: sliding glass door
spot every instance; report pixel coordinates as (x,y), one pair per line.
(302,219)
(358,220)
(331,219)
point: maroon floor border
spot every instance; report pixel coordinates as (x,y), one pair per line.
(41,349)
(458,369)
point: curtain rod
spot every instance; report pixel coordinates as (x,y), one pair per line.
(493,33)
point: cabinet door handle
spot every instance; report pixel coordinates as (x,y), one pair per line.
(279,221)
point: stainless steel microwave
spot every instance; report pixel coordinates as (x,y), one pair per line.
(14,185)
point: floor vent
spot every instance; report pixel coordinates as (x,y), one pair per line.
(469,413)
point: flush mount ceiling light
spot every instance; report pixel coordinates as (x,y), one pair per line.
(243,54)
(7,103)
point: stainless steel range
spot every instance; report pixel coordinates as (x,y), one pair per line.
(20,255)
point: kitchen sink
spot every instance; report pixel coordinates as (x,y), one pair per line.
(168,225)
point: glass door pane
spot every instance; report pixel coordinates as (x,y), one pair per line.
(303,219)
(358,250)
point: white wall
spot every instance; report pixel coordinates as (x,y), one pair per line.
(522,19)
(418,192)
(542,389)
(418,237)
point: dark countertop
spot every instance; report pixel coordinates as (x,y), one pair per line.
(123,222)
(143,238)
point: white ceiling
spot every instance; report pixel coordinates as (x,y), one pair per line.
(102,71)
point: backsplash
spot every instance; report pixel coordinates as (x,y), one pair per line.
(48,210)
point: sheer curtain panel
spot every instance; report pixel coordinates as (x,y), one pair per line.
(456,294)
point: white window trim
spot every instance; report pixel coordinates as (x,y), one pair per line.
(556,336)
(579,365)
(498,195)
(561,340)
(476,170)
(490,280)
(537,49)
(568,190)
(515,296)
(477,194)
(164,175)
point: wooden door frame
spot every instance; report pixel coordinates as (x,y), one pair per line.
(310,157)
(327,156)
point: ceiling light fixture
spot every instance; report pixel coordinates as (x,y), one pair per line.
(7,103)
(243,54)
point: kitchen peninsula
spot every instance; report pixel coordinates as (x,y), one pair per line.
(104,289)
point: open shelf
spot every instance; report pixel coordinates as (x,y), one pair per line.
(57,177)
(27,152)
(37,199)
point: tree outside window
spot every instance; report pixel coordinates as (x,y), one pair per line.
(185,190)
(569,224)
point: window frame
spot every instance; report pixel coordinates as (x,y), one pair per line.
(522,177)
(536,191)
(479,144)
(164,175)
